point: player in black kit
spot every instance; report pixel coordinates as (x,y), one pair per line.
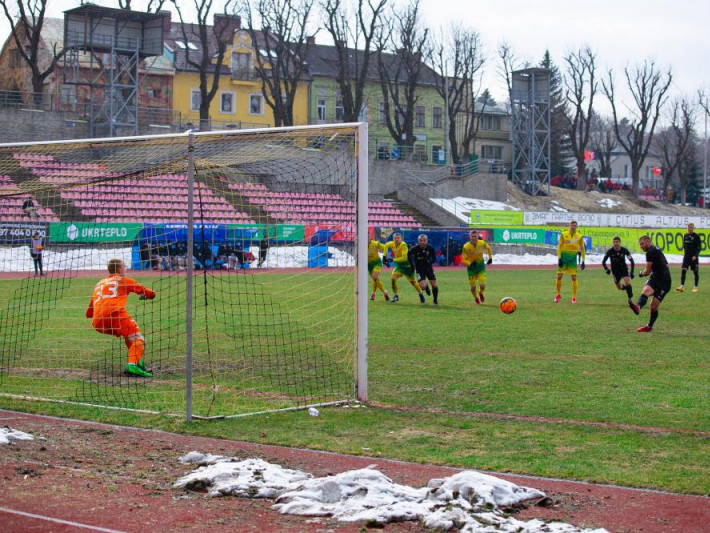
(422,259)
(691,253)
(617,255)
(658,284)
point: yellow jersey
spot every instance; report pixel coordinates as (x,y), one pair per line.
(400,253)
(373,250)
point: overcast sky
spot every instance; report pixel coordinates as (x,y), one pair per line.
(674,34)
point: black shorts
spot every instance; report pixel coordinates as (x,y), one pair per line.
(689,263)
(425,272)
(620,273)
(660,287)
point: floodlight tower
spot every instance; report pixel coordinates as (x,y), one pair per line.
(530,106)
(104,47)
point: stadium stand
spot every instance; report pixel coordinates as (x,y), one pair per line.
(11,206)
(163,198)
(311,208)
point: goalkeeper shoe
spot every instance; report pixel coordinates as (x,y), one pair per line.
(141,365)
(132,369)
(421,297)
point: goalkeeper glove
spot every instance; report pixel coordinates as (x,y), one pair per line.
(583,266)
(607,271)
(559,262)
(490,261)
(147,295)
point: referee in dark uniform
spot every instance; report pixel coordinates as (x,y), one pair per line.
(658,284)
(422,258)
(691,254)
(617,255)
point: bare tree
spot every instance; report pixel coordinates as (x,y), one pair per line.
(353,40)
(674,143)
(153,5)
(648,88)
(213,41)
(603,141)
(401,69)
(26,24)
(461,50)
(285,44)
(581,87)
(509,63)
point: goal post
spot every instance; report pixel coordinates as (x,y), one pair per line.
(255,242)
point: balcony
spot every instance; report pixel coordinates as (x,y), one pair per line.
(243,75)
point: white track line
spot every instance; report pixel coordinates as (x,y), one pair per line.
(58,521)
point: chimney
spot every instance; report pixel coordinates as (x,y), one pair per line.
(311,40)
(226,24)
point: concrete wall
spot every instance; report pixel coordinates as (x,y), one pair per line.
(390,177)
(29,126)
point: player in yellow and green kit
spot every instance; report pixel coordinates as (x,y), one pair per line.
(374,266)
(402,267)
(472,257)
(571,243)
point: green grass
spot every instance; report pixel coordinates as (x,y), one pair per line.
(465,385)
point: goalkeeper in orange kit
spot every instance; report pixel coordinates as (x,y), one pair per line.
(109,316)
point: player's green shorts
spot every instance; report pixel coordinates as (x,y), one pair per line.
(403,269)
(476,272)
(374,266)
(569,264)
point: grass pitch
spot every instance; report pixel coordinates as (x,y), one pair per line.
(557,390)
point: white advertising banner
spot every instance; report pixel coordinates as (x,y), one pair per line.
(614,220)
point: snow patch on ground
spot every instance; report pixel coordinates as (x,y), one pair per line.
(7,434)
(557,208)
(468,501)
(461,206)
(608,202)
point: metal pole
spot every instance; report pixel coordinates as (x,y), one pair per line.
(188,273)
(705,158)
(362,235)
(446,113)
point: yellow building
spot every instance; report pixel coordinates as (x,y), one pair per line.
(239,101)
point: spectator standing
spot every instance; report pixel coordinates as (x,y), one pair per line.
(36,248)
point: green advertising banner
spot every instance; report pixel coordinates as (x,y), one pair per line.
(281,232)
(519,235)
(93,232)
(484,217)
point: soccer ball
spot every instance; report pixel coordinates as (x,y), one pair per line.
(40,247)
(508,305)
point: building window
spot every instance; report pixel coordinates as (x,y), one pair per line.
(256,104)
(15,59)
(364,113)
(226,103)
(490,123)
(68,94)
(437,112)
(383,116)
(339,109)
(492,152)
(195,99)
(153,93)
(420,117)
(321,110)
(241,66)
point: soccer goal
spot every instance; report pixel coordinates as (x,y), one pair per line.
(254,241)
